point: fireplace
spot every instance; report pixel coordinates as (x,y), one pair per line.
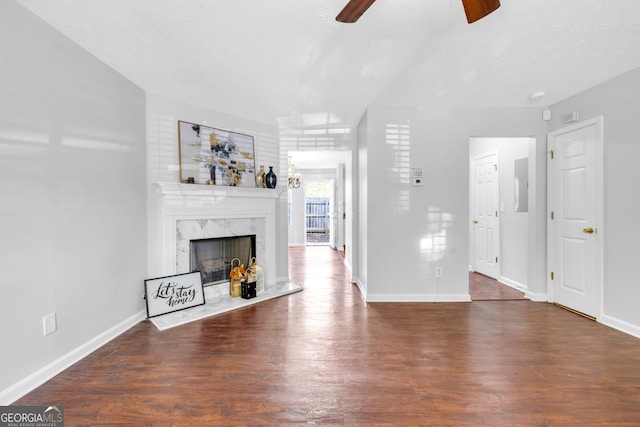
(184,213)
(213,256)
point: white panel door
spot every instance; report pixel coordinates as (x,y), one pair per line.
(574,217)
(486,225)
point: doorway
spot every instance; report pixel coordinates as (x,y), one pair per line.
(498,209)
(318,201)
(319,209)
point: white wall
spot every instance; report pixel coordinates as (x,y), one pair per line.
(618,101)
(72,201)
(340,208)
(350,209)
(514,235)
(360,247)
(427,226)
(297,227)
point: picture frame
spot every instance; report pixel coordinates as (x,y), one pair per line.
(173,293)
(215,156)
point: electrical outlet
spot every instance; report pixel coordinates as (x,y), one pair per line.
(49,324)
(438,271)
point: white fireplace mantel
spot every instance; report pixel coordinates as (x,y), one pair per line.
(179,212)
(176,191)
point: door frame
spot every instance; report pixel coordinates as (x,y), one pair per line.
(600,236)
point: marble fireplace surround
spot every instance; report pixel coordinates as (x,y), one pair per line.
(196,229)
(182,212)
(187,212)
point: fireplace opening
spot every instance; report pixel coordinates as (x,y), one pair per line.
(212,257)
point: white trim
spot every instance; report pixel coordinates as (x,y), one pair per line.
(179,191)
(599,147)
(512,283)
(361,287)
(347,264)
(620,325)
(536,297)
(44,374)
(418,298)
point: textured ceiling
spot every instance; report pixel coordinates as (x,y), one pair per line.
(289,63)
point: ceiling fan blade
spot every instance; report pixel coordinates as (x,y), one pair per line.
(478,9)
(353,10)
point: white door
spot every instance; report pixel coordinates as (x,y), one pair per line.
(485,219)
(575,192)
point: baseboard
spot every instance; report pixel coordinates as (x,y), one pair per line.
(24,386)
(620,325)
(347,264)
(361,287)
(418,298)
(536,297)
(515,285)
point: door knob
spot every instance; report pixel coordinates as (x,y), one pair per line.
(588,230)
(475,221)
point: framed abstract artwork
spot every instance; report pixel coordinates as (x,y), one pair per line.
(215,156)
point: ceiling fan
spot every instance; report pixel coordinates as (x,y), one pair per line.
(475,9)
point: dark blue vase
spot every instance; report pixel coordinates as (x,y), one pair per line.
(270,178)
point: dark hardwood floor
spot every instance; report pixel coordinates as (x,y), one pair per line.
(323,356)
(483,288)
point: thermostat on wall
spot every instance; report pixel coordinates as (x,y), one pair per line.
(416,177)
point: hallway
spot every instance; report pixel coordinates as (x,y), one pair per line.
(323,356)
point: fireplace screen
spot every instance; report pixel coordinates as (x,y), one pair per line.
(212,257)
